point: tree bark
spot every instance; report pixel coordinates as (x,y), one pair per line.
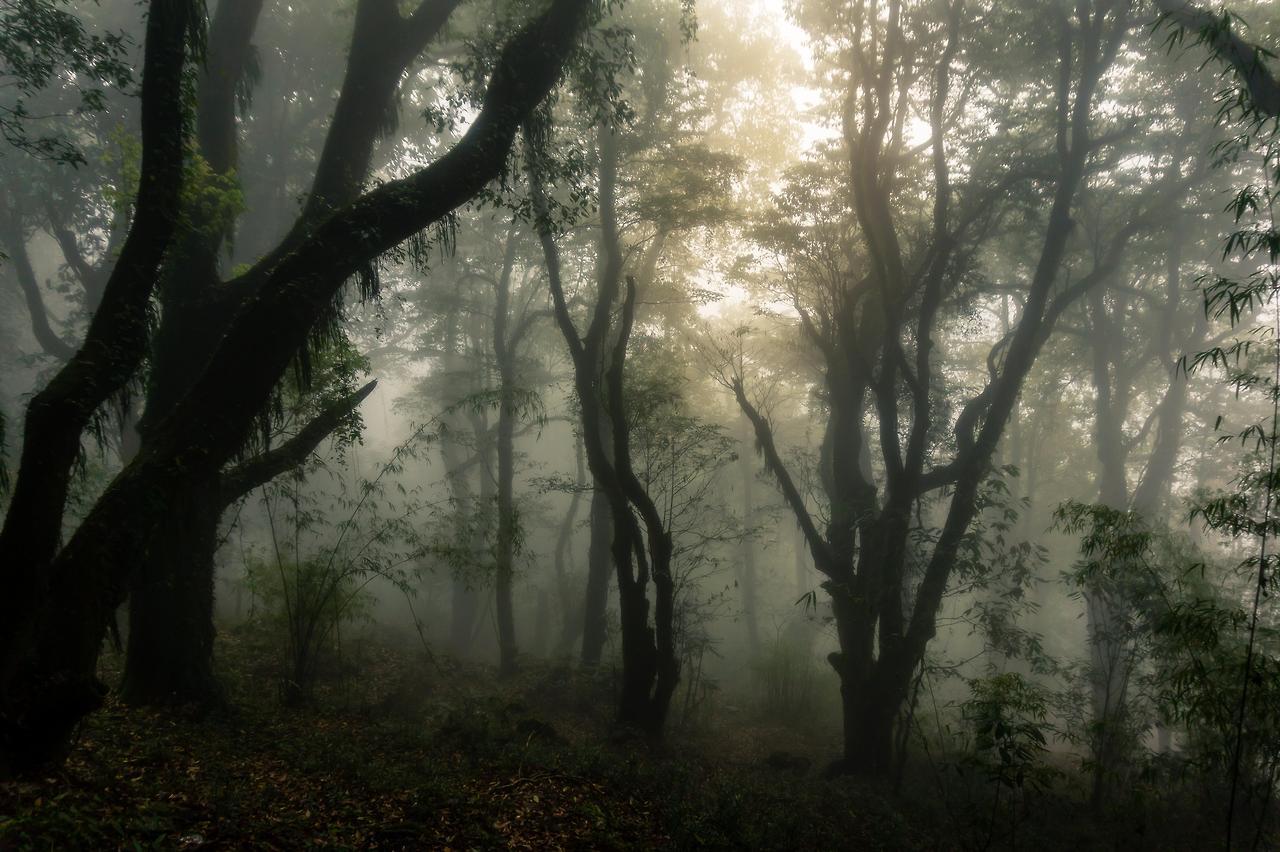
(382,46)
(570,610)
(56,686)
(881,642)
(747,552)
(505,543)
(1248,61)
(169,657)
(595,607)
(113,348)
(171,602)
(650,668)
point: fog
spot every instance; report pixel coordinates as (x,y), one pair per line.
(560,424)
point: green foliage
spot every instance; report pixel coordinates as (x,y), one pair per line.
(326,549)
(1183,619)
(120,160)
(211,201)
(678,457)
(1241,728)
(307,602)
(1002,762)
(1222,654)
(1124,560)
(1235,100)
(1008,716)
(325,374)
(45,46)
(456,541)
(461,531)
(995,571)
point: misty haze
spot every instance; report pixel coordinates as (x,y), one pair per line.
(639,424)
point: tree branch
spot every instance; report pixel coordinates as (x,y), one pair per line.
(822,556)
(16,246)
(261,469)
(1247,60)
(90,276)
(555,283)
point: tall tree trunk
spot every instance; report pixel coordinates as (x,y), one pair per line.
(1111,652)
(170,652)
(882,642)
(45,694)
(650,667)
(482,544)
(1108,669)
(595,606)
(192,323)
(1152,491)
(505,544)
(747,550)
(570,607)
(464,603)
(113,348)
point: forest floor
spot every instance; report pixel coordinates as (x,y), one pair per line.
(404,753)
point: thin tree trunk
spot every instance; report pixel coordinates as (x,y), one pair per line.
(504,546)
(747,550)
(464,605)
(650,668)
(595,622)
(570,608)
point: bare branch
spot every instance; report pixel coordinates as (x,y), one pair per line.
(822,556)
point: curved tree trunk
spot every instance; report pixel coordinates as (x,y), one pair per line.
(170,651)
(46,694)
(650,667)
(113,348)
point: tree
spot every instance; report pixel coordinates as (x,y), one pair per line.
(170,643)
(113,345)
(1118,361)
(1217,33)
(881,282)
(650,667)
(287,292)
